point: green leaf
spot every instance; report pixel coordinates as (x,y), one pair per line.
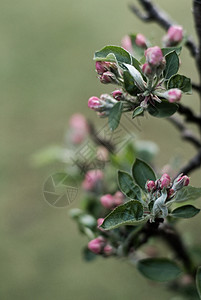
(138,79)
(181,82)
(172,64)
(186,211)
(129,84)
(187,193)
(142,172)
(130,213)
(159,269)
(198,281)
(138,111)
(115,116)
(168,50)
(162,110)
(113,54)
(127,186)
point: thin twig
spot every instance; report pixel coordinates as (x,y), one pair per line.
(197,20)
(186,133)
(192,165)
(153,13)
(189,115)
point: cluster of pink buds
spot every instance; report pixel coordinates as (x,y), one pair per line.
(92,179)
(78,128)
(174,36)
(99,245)
(111,201)
(155,188)
(106,72)
(103,104)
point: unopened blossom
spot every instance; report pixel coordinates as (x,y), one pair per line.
(102,67)
(108,250)
(78,128)
(154,56)
(107,201)
(150,186)
(140,40)
(118,198)
(108,77)
(96,245)
(92,178)
(173,95)
(94,102)
(165,181)
(174,35)
(117,94)
(127,43)
(180,182)
(146,69)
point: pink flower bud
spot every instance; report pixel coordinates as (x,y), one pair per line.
(175,34)
(92,178)
(127,44)
(140,40)
(117,95)
(96,245)
(165,181)
(108,77)
(107,201)
(154,56)
(146,69)
(78,128)
(108,250)
(180,182)
(94,103)
(118,198)
(170,193)
(185,180)
(102,66)
(173,95)
(100,222)
(150,186)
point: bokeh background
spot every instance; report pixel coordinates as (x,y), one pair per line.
(46,74)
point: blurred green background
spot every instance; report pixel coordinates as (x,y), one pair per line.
(46,74)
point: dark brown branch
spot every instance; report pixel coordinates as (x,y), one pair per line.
(197,20)
(152,13)
(186,133)
(169,234)
(189,115)
(192,165)
(196,87)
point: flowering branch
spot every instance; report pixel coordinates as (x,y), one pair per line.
(160,17)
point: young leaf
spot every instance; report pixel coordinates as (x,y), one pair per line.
(198,281)
(162,110)
(130,213)
(115,116)
(181,82)
(159,269)
(186,211)
(138,111)
(187,193)
(113,54)
(127,186)
(142,172)
(138,79)
(168,50)
(129,84)
(172,64)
